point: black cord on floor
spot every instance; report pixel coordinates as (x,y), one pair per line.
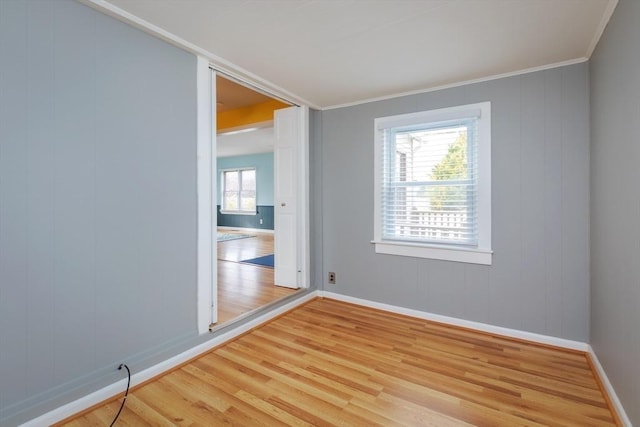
(126,393)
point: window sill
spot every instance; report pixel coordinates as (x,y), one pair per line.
(440,252)
(238,212)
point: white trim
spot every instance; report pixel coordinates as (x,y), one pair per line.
(482,254)
(215,61)
(484,327)
(223,184)
(458,84)
(206,182)
(249,127)
(457,112)
(609,389)
(224,212)
(241,74)
(606,16)
(109,391)
(253,230)
(444,253)
(304,249)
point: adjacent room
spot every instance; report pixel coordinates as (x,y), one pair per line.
(245,200)
(310,212)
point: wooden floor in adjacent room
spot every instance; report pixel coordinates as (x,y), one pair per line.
(331,363)
(245,287)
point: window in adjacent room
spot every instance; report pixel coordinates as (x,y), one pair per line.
(238,191)
(433,184)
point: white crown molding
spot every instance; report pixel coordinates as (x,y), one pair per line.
(253,230)
(216,62)
(608,12)
(463,83)
(259,83)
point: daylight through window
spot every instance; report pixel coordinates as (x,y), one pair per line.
(433,184)
(239,191)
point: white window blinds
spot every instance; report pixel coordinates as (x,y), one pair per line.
(429,182)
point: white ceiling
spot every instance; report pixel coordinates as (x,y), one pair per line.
(240,144)
(337,52)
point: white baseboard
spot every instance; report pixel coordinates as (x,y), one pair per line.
(512,333)
(109,391)
(253,230)
(498,330)
(609,389)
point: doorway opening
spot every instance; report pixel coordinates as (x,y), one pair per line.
(244,201)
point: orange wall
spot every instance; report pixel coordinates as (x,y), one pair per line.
(247,115)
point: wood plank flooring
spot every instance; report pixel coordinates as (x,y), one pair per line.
(245,287)
(331,363)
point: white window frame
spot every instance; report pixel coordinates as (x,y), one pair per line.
(222,188)
(480,254)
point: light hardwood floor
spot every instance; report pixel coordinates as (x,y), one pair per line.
(245,287)
(331,363)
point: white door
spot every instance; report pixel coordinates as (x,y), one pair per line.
(206,184)
(213,220)
(288,124)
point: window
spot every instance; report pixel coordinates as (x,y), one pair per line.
(238,191)
(433,184)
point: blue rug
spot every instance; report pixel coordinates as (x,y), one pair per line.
(265,261)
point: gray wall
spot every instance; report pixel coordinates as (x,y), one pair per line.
(263,163)
(539,280)
(315,197)
(97,202)
(615,204)
(97,206)
(263,219)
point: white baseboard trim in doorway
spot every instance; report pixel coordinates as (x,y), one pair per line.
(608,388)
(248,230)
(484,327)
(111,390)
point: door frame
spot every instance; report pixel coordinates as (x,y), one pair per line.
(207,282)
(304,251)
(207,249)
